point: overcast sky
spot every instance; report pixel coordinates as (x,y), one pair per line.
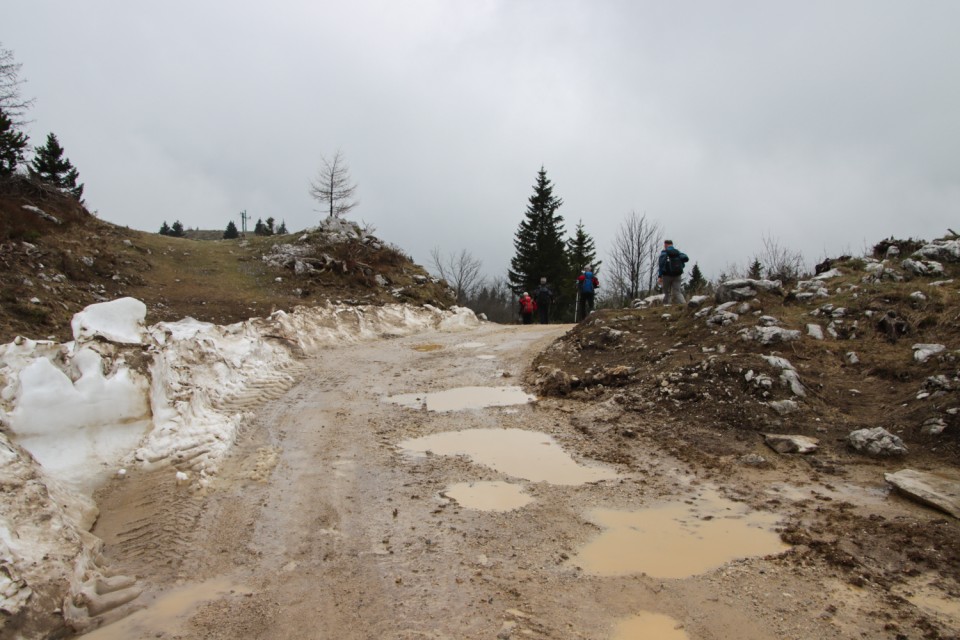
(826,125)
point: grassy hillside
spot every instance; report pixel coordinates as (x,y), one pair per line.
(56,258)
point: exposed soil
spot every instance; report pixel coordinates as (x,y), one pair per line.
(321,526)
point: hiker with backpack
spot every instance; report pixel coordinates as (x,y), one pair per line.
(543,296)
(670,276)
(587,284)
(527,306)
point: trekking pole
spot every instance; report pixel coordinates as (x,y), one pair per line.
(576,309)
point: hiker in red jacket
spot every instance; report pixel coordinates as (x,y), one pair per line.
(527,306)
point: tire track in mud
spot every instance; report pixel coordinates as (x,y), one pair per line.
(148,518)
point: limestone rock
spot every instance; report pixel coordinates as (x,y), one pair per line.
(770,335)
(945,250)
(784,407)
(790,444)
(921,352)
(745,289)
(877,442)
(931,489)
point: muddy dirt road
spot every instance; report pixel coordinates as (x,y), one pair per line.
(336,518)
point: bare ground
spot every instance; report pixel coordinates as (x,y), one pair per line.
(319,526)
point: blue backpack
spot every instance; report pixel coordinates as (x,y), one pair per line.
(587,286)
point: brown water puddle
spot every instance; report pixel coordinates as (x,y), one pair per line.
(530,455)
(426,348)
(464,398)
(168,613)
(931,600)
(678,540)
(488,496)
(649,626)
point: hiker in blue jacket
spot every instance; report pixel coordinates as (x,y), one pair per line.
(587,284)
(670,275)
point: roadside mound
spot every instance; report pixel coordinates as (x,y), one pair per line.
(861,362)
(56,258)
(874,346)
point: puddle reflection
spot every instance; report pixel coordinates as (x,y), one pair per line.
(488,496)
(464,398)
(530,455)
(678,540)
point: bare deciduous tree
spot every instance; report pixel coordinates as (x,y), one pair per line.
(12,103)
(460,270)
(633,260)
(333,187)
(779,262)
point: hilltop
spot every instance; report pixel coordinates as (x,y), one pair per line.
(56,258)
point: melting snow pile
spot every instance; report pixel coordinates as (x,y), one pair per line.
(169,395)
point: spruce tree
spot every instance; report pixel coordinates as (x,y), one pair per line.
(50,166)
(269,226)
(177,229)
(231,231)
(697,282)
(282,229)
(12,145)
(581,251)
(539,242)
(755,272)
(164,229)
(260,229)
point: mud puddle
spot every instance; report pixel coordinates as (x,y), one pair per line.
(488,496)
(646,625)
(464,398)
(168,613)
(678,540)
(530,455)
(929,598)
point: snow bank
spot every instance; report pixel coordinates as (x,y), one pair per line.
(172,394)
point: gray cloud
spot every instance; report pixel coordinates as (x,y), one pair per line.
(828,125)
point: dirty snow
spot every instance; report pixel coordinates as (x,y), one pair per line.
(122,394)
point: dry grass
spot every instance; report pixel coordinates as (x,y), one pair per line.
(84,260)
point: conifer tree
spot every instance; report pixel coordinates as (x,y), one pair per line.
(755,272)
(12,145)
(177,229)
(164,229)
(269,226)
(539,243)
(50,166)
(282,229)
(260,229)
(697,282)
(231,231)
(581,251)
